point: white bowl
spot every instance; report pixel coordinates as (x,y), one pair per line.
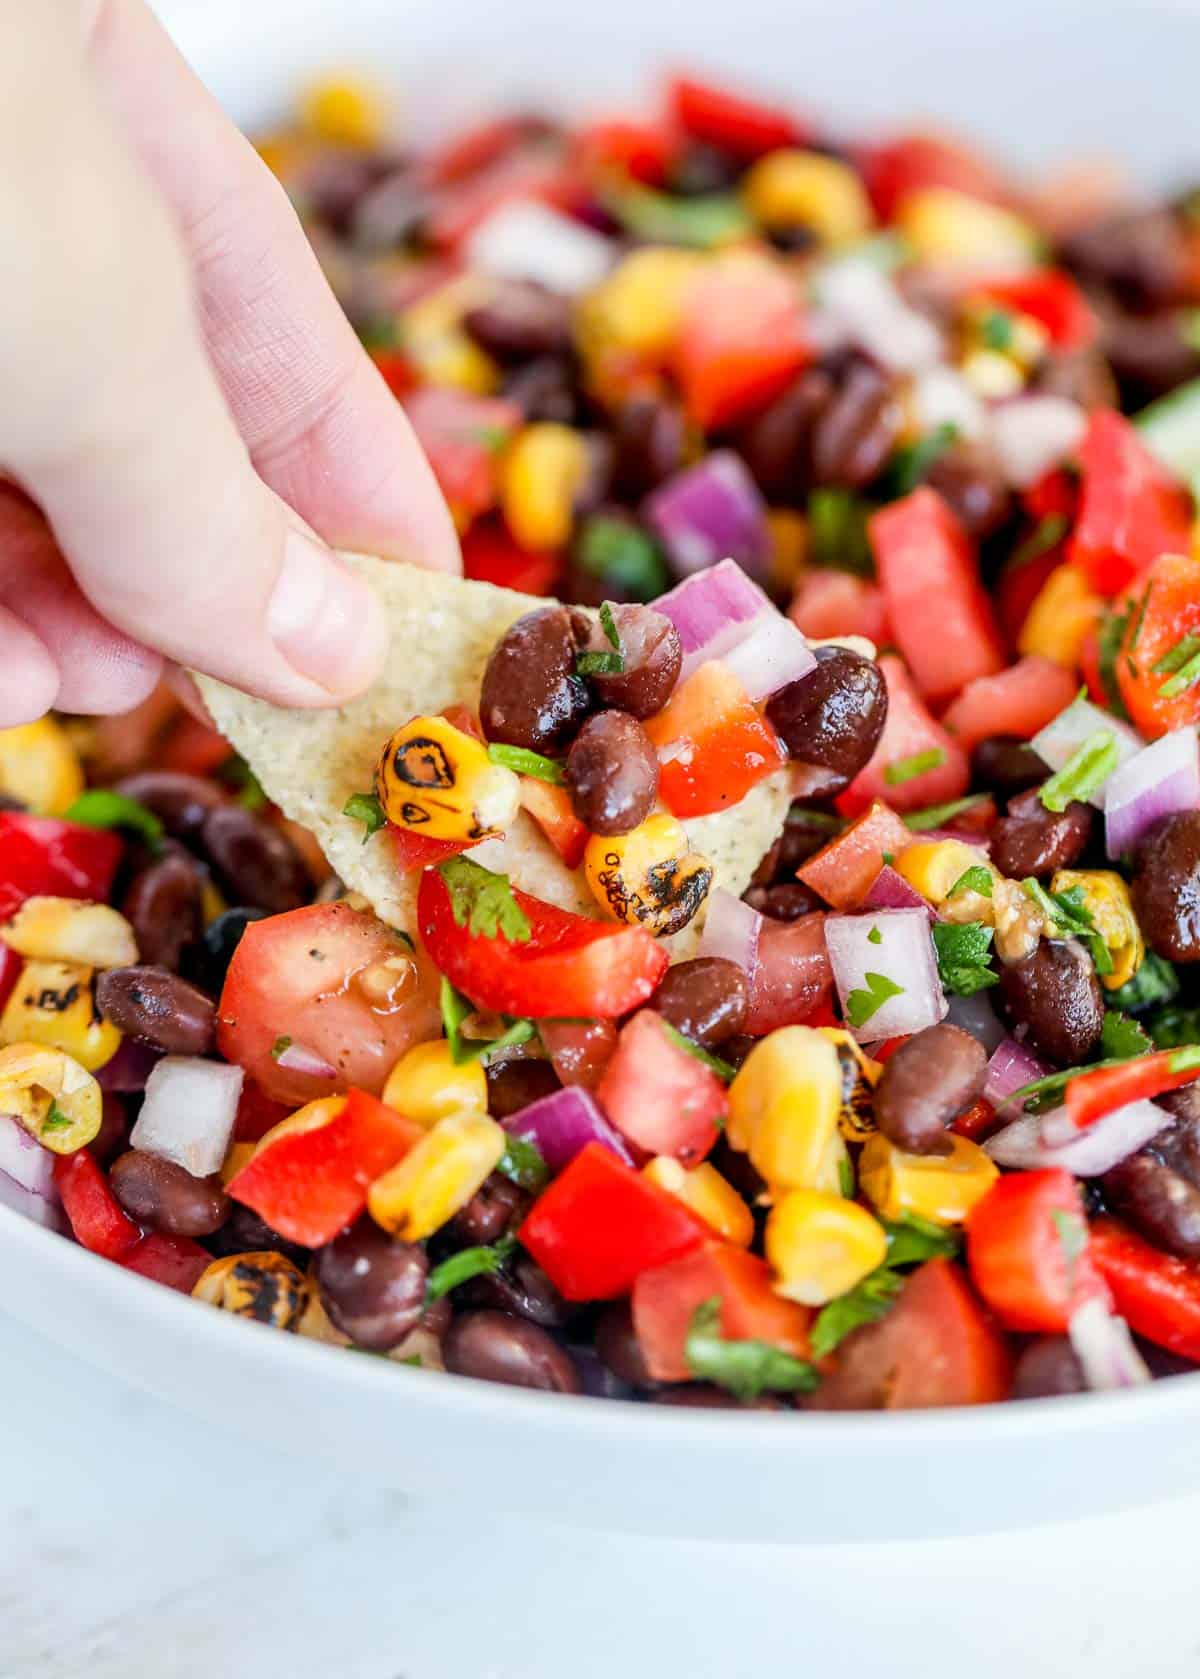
(1037,79)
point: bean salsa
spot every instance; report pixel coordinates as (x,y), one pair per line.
(858,461)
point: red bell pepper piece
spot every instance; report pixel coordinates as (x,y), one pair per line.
(1172,611)
(909,732)
(721,745)
(741,342)
(1051,298)
(552,810)
(476,149)
(413,850)
(939,610)
(745,128)
(665,1299)
(1089,1096)
(1028,1250)
(43,857)
(600,1224)
(912,162)
(10,968)
(491,556)
(569,966)
(660,1098)
(309,1184)
(842,871)
(95,1215)
(1020,584)
(1056,491)
(174,1261)
(1157,1294)
(623,145)
(1131,510)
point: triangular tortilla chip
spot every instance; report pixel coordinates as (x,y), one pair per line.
(442,632)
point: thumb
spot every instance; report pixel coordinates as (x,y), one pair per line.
(123,435)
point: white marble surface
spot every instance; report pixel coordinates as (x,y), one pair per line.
(136,1544)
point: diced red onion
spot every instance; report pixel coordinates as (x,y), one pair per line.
(903,954)
(561,1124)
(976,1015)
(731,930)
(298,1058)
(25,1161)
(773,655)
(1025,1143)
(1105,1348)
(188,1113)
(1032,434)
(524,240)
(860,300)
(1066,733)
(129,1068)
(710,512)
(23,1201)
(1157,781)
(721,614)
(890,890)
(1011,1067)
(942,397)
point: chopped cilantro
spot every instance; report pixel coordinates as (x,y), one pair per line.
(100,807)
(964,954)
(1072,1234)
(723,1069)
(874,936)
(837,532)
(911,1241)
(1140,619)
(1185,1060)
(1109,643)
(911,463)
(1122,1038)
(861,1005)
(745,1368)
(889,857)
(522,1162)
(280,1048)
(1069,917)
(1173,1028)
(609,625)
(365,808)
(907,769)
(1046,534)
(977,878)
(845,1170)
(483,902)
(524,762)
(236,773)
(997,329)
(1084,773)
(936,816)
(622,556)
(659,218)
(456,1009)
(1181,665)
(467,1263)
(599,664)
(1154,982)
(56,1120)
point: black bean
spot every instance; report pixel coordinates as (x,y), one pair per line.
(703,169)
(1139,254)
(1082,376)
(649,440)
(833,717)
(156,1007)
(970,480)
(516,1082)
(372,1285)
(164,1195)
(245,1232)
(531,696)
(618,1345)
(1052,1001)
(253,861)
(702,1396)
(496,1348)
(209,962)
(496,1207)
(164,906)
(651,652)
(777,443)
(1166,887)
(520,321)
(1179,1145)
(1031,840)
(1006,765)
(707,999)
(612,773)
(181,802)
(1046,1368)
(1158,1202)
(522,1288)
(1150,354)
(933,1077)
(789,900)
(545,389)
(857,431)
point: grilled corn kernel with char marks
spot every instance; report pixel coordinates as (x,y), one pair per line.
(425,1085)
(437,1176)
(648,877)
(941,1187)
(53,1003)
(709,1195)
(265,1287)
(51,1096)
(439,781)
(860,1075)
(1106,896)
(784,1106)
(40,767)
(71,930)
(791,188)
(821,1245)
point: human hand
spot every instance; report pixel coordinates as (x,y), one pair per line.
(184,400)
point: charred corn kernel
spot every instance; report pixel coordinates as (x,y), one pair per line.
(1106,897)
(264,1286)
(790,188)
(345,111)
(310,1117)
(239,1155)
(437,1176)
(934,867)
(438,780)
(40,767)
(709,1195)
(788,534)
(991,374)
(784,1106)
(942,1187)
(54,1003)
(942,225)
(821,1245)
(71,930)
(860,1075)
(648,876)
(639,307)
(540,477)
(425,1085)
(1062,616)
(51,1095)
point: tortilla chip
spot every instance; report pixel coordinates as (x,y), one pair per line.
(442,631)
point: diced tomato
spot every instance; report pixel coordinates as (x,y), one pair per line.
(399,374)
(301,976)
(1157,1294)
(95,1215)
(1172,613)
(939,610)
(256,1113)
(912,162)
(792,977)
(977,1123)
(579,1050)
(43,857)
(745,128)
(491,556)
(1019,585)
(665,1300)
(413,850)
(600,1224)
(937,1346)
(552,810)
(842,871)
(829,603)
(462,436)
(713,745)
(10,968)
(1131,511)
(1056,491)
(908,733)
(659,1097)
(1019,701)
(192,748)
(310,1182)
(1091,1095)
(1089,668)
(476,149)
(1027,1247)
(570,965)
(1051,298)
(529,172)
(741,341)
(175,1261)
(623,145)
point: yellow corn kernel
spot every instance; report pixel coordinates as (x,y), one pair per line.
(345,111)
(71,930)
(934,867)
(821,1245)
(425,1085)
(790,188)
(942,225)
(992,375)
(237,1156)
(648,876)
(990,326)
(53,1003)
(639,307)
(1062,616)
(264,1286)
(540,477)
(784,1106)
(1106,896)
(437,344)
(51,1095)
(40,767)
(860,1075)
(437,1176)
(439,780)
(709,1195)
(942,1187)
(788,533)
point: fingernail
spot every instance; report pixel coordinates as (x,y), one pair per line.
(325,621)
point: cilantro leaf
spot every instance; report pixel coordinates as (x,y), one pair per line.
(1069,917)
(1122,1038)
(599,664)
(936,816)
(911,463)
(744,1368)
(524,762)
(861,1005)
(609,625)
(723,1069)
(1181,665)
(483,902)
(1046,534)
(280,1047)
(874,936)
(1173,1028)
(465,1264)
(365,808)
(455,1010)
(837,532)
(236,773)
(866,1302)
(622,556)
(100,807)
(964,954)
(907,769)
(913,1239)
(846,1184)
(1084,773)
(978,878)
(1155,982)
(997,329)
(1072,1233)
(522,1162)
(56,1120)
(1109,643)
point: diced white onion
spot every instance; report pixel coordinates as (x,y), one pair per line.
(529,241)
(731,930)
(942,397)
(896,944)
(773,655)
(1161,779)
(866,306)
(25,1161)
(1066,733)
(1105,1349)
(1033,434)
(188,1112)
